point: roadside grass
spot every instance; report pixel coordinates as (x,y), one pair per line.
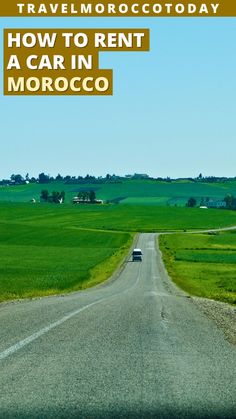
(202,264)
(36,260)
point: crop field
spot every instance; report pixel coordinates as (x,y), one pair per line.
(48,248)
(202,264)
(129,218)
(38,259)
(142,192)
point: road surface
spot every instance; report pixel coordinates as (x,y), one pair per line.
(135,347)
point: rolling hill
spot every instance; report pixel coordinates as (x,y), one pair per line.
(147,192)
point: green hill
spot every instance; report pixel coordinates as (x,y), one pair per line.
(148,192)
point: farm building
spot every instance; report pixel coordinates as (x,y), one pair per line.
(215,204)
(77,200)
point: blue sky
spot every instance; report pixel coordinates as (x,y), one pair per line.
(173,112)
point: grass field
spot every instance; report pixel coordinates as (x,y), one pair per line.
(116,217)
(48,249)
(202,264)
(142,192)
(42,259)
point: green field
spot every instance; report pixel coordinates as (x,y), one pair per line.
(135,218)
(145,192)
(39,256)
(202,264)
(48,249)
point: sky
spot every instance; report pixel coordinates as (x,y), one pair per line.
(173,112)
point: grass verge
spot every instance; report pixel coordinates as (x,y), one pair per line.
(202,264)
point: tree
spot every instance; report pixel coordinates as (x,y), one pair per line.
(87,196)
(191,203)
(92,196)
(83,195)
(44,195)
(17,178)
(230,201)
(62,197)
(55,197)
(44,178)
(58,197)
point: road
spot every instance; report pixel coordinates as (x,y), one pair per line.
(136,347)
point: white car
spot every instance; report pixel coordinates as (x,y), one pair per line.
(137,255)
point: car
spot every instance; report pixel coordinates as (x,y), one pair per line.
(137,255)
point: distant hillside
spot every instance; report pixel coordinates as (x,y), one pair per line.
(126,192)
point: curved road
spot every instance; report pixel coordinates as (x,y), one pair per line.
(135,347)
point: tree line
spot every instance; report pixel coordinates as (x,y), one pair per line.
(229,199)
(55,197)
(89,196)
(43,178)
(59,197)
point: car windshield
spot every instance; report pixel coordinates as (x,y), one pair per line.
(137,252)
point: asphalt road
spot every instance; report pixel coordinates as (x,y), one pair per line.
(133,348)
